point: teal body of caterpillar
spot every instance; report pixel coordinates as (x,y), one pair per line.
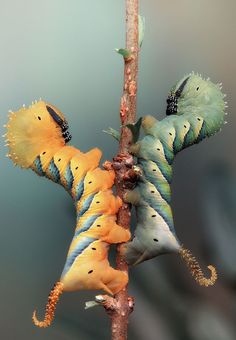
(195,109)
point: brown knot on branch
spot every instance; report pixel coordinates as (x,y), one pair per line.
(127,173)
(111,305)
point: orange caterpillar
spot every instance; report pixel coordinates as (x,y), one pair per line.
(37,138)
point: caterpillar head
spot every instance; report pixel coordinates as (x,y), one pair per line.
(30,129)
(193,93)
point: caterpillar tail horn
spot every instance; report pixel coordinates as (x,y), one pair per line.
(50,307)
(196,271)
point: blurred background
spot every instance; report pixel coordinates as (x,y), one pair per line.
(63,51)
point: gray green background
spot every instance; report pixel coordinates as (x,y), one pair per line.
(63,51)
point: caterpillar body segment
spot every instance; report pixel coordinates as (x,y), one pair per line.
(152,234)
(38,139)
(91,270)
(103,227)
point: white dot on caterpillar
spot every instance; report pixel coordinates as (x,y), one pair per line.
(226,113)
(225,122)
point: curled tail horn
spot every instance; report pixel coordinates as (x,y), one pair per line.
(50,307)
(195,269)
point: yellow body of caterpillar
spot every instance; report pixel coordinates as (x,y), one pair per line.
(37,139)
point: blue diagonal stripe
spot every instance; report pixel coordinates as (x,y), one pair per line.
(86,205)
(81,246)
(87,224)
(38,166)
(159,205)
(54,172)
(152,178)
(169,154)
(69,177)
(202,133)
(79,190)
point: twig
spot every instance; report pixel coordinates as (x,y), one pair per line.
(121,306)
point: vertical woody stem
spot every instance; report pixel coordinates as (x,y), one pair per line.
(124,303)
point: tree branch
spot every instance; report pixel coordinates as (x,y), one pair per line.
(122,305)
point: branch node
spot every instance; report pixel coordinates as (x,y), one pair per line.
(131,303)
(108,302)
(107,165)
(126,54)
(132,176)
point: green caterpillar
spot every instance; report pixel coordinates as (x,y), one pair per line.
(195,109)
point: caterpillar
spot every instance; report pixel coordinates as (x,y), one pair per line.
(37,138)
(195,110)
